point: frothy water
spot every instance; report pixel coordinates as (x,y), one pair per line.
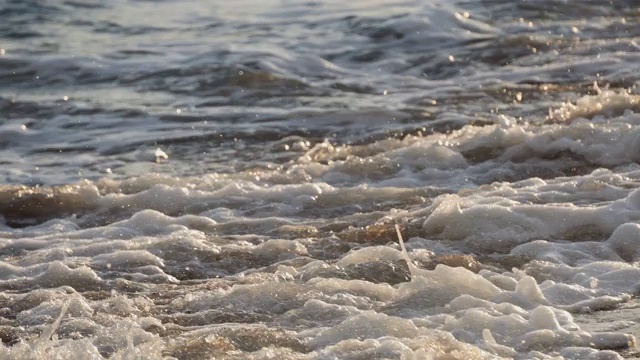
(188,181)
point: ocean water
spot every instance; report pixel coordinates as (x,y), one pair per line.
(231,179)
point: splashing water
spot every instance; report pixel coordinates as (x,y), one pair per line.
(190,181)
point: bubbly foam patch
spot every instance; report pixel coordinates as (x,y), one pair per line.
(577,232)
(337,305)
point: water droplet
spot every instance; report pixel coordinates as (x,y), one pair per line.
(160,155)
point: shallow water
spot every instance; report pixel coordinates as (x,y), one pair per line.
(187,180)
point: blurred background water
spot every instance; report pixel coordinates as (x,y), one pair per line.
(92,87)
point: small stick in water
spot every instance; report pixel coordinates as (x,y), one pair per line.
(413,269)
(48,332)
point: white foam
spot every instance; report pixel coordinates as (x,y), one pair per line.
(625,241)
(370,254)
(366,326)
(527,319)
(280,249)
(605,102)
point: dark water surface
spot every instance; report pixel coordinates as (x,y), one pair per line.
(219,85)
